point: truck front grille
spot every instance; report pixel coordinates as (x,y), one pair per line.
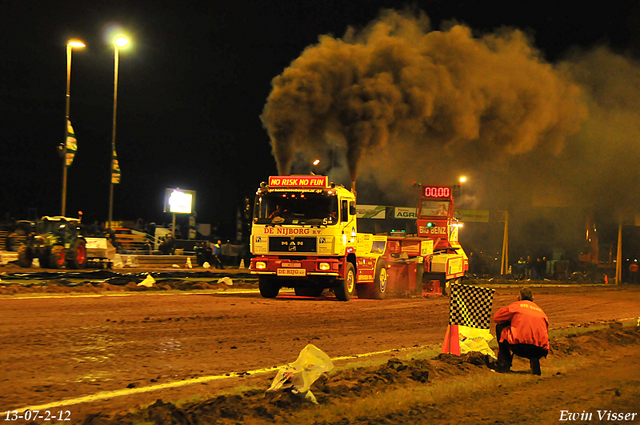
(292,244)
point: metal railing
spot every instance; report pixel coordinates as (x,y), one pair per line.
(134,242)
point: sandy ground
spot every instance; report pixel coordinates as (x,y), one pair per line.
(57,346)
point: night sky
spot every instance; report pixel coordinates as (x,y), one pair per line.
(192,87)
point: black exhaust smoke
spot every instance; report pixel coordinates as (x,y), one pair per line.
(398,80)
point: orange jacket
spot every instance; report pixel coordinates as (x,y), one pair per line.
(529,324)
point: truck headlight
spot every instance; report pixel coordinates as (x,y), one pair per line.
(324,266)
(261,265)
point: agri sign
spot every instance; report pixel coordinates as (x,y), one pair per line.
(403,212)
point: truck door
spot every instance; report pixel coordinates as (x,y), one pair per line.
(348,220)
(344,211)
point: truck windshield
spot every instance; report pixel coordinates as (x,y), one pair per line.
(296,208)
(434,208)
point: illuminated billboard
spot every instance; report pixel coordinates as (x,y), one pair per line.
(179,201)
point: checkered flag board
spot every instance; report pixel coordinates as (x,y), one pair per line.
(471,306)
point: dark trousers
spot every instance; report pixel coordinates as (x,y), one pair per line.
(528,351)
(216,262)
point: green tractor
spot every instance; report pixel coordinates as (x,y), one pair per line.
(57,242)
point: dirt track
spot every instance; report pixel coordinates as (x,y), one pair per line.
(53,349)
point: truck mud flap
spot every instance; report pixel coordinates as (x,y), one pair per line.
(434,284)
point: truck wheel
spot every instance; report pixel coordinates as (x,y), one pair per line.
(269,288)
(77,255)
(379,288)
(346,288)
(25,256)
(56,258)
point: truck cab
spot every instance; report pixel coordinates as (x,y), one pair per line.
(304,236)
(436,221)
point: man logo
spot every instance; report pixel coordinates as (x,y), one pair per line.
(293,244)
(258,239)
(297,245)
(322,240)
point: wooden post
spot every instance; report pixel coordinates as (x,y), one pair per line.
(619,255)
(504,265)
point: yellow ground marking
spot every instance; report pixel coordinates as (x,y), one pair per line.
(129,294)
(131,391)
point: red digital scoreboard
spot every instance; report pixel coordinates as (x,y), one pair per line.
(436,192)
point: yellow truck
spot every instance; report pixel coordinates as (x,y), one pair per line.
(304,236)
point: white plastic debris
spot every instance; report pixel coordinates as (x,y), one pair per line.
(226,280)
(473,339)
(175,266)
(148,281)
(301,374)
(206,265)
(188,265)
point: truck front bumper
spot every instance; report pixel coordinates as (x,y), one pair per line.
(286,268)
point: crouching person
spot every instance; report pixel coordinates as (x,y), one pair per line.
(522,328)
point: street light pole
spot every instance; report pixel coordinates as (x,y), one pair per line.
(70,45)
(119,42)
(619,254)
(504,264)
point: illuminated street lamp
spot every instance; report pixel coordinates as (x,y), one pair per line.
(118,42)
(314,163)
(457,186)
(70,45)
